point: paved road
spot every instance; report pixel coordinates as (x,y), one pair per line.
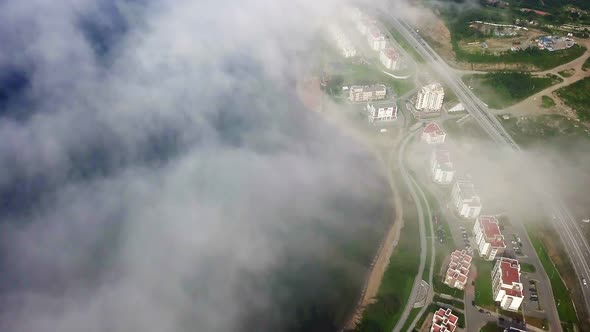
(421,226)
(571,235)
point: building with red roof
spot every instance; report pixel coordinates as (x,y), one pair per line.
(433,134)
(506,284)
(444,321)
(488,237)
(441,167)
(376,39)
(458,270)
(390,58)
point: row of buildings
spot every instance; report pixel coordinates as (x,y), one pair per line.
(489,241)
(367,26)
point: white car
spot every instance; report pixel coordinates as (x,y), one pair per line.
(584,282)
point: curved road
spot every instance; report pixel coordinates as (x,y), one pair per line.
(410,183)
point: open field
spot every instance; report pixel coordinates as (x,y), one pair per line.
(526,267)
(491,327)
(500,90)
(483,284)
(586,64)
(577,96)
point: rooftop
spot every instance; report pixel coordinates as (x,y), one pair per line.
(434,87)
(491,230)
(443,158)
(390,53)
(433,129)
(369,88)
(467,189)
(444,320)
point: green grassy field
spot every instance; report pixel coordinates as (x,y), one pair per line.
(577,96)
(483,284)
(398,278)
(550,130)
(547,102)
(402,41)
(348,74)
(586,64)
(561,295)
(567,72)
(500,90)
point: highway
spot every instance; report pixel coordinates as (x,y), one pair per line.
(569,230)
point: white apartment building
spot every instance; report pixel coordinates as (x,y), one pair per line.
(344,44)
(488,237)
(441,167)
(430,98)
(444,321)
(390,58)
(376,39)
(458,270)
(433,134)
(367,92)
(381,112)
(506,285)
(465,199)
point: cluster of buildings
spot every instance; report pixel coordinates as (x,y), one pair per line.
(384,111)
(552,43)
(380,113)
(344,44)
(367,26)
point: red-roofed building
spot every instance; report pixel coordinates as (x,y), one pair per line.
(376,39)
(458,269)
(441,167)
(506,284)
(444,321)
(390,59)
(489,239)
(433,134)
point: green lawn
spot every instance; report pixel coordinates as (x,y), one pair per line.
(398,278)
(352,74)
(586,64)
(577,96)
(567,72)
(491,327)
(561,295)
(547,102)
(550,130)
(526,267)
(500,90)
(483,283)
(402,41)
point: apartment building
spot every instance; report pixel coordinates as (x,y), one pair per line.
(466,201)
(430,98)
(506,285)
(458,270)
(488,237)
(344,44)
(376,39)
(380,113)
(390,58)
(441,167)
(433,134)
(367,92)
(444,321)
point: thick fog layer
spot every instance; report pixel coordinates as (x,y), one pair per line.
(158,170)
